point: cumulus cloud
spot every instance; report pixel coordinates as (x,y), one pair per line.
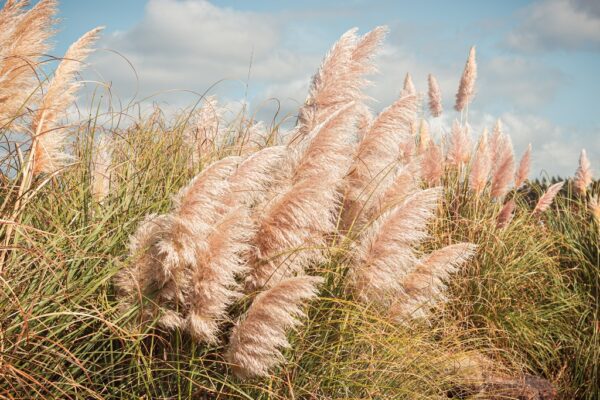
(558,25)
(195,44)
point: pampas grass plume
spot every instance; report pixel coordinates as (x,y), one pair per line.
(546,200)
(583,175)
(466,89)
(506,214)
(257,339)
(435,97)
(409,87)
(49,139)
(524,166)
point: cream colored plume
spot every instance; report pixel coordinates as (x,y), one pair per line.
(213,281)
(482,164)
(385,252)
(408,88)
(203,133)
(583,175)
(259,336)
(546,200)
(190,258)
(254,177)
(506,214)
(459,151)
(291,231)
(101,166)
(505,170)
(327,148)
(23,41)
(340,77)
(424,137)
(466,89)
(49,137)
(524,166)
(424,286)
(432,165)
(377,155)
(435,97)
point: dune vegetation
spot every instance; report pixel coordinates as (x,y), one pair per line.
(353,255)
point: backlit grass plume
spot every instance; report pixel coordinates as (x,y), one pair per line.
(524,166)
(583,175)
(409,87)
(48,139)
(547,198)
(481,166)
(24,39)
(459,151)
(385,252)
(340,77)
(435,97)
(424,286)
(504,170)
(466,89)
(376,157)
(256,341)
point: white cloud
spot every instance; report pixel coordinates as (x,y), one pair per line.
(558,24)
(193,44)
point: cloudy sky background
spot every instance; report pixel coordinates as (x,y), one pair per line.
(538,60)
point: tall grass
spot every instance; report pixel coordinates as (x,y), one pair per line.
(351,257)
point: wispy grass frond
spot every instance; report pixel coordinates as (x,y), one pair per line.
(257,339)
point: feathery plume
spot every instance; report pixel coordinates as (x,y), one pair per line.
(252,179)
(23,40)
(424,286)
(466,89)
(583,175)
(385,252)
(376,156)
(203,198)
(257,339)
(101,162)
(292,231)
(49,138)
(339,79)
(482,164)
(524,166)
(424,137)
(546,200)
(408,88)
(460,145)
(505,171)
(214,285)
(435,97)
(190,258)
(204,132)
(432,165)
(327,149)
(496,144)
(506,214)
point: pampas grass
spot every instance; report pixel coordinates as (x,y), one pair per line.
(466,89)
(49,138)
(547,198)
(435,97)
(524,166)
(213,287)
(583,175)
(257,339)
(504,171)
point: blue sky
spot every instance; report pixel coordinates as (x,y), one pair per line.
(538,60)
